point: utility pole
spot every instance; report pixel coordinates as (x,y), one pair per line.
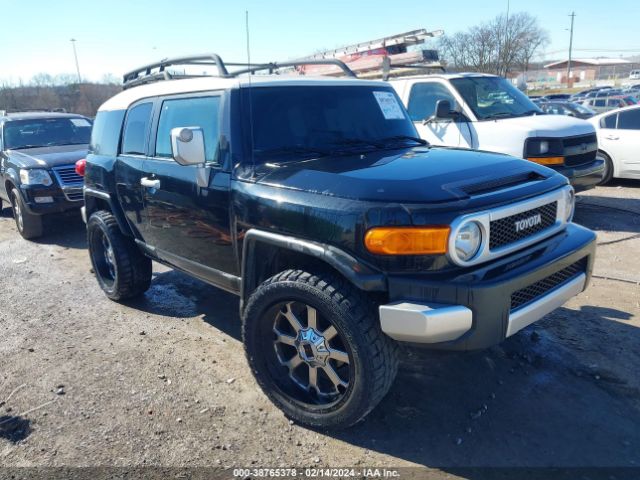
(75,55)
(569,85)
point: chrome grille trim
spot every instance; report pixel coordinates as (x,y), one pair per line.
(484,219)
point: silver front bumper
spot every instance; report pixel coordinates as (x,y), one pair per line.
(434,323)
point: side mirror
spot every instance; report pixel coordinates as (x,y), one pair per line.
(187,145)
(443,112)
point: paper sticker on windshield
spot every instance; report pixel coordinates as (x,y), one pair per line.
(389,105)
(80,122)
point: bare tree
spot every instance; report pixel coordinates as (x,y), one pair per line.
(499,46)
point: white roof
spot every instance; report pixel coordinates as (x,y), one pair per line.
(445,76)
(124,99)
(592,61)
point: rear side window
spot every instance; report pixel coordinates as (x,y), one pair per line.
(423,98)
(203,112)
(609,122)
(136,129)
(600,102)
(629,119)
(106,133)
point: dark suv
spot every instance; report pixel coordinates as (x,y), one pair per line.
(342,233)
(38,153)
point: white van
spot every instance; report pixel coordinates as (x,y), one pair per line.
(634,75)
(486,112)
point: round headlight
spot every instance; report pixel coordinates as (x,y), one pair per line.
(570,204)
(468,241)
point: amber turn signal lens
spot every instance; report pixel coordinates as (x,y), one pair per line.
(547,160)
(407,240)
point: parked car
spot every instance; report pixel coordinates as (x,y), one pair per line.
(38,152)
(486,112)
(634,75)
(341,231)
(619,142)
(604,104)
(567,108)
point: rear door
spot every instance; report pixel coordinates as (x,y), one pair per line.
(189,222)
(130,164)
(628,139)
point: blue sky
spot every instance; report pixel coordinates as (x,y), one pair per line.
(117,35)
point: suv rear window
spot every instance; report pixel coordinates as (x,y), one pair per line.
(629,119)
(136,129)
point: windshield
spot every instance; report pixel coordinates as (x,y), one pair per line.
(46,132)
(494,97)
(296,121)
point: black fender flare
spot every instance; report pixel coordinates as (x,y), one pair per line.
(361,275)
(91,195)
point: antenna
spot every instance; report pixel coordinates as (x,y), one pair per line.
(253,160)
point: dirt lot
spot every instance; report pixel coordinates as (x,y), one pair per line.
(163,381)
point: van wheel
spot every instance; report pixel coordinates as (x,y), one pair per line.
(316,349)
(29,226)
(608,169)
(122,270)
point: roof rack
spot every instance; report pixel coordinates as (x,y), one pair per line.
(155,72)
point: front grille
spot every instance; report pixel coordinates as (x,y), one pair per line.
(526,295)
(575,160)
(580,149)
(505,231)
(67,175)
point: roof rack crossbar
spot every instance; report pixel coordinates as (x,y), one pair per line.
(147,74)
(298,63)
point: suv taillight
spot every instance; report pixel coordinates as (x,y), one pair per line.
(81,166)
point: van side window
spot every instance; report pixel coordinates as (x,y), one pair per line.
(203,112)
(609,122)
(136,129)
(423,98)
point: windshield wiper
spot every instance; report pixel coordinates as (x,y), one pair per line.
(499,115)
(25,146)
(292,150)
(397,138)
(348,143)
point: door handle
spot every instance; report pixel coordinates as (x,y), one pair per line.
(611,137)
(150,183)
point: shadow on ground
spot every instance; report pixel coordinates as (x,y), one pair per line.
(534,400)
(14,428)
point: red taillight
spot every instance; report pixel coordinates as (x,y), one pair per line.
(81,166)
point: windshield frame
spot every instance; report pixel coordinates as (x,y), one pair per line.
(509,89)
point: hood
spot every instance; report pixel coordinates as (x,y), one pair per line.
(48,157)
(419,175)
(547,125)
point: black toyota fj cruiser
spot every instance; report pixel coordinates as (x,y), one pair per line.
(341,231)
(38,153)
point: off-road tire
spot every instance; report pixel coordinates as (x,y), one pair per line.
(29,226)
(354,315)
(131,268)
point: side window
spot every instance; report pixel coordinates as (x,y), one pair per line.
(423,98)
(601,102)
(136,129)
(629,119)
(609,121)
(106,133)
(203,112)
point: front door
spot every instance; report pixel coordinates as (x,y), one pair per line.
(188,218)
(422,106)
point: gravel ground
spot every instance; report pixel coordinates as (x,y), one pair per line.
(163,380)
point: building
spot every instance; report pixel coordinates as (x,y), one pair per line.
(589,69)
